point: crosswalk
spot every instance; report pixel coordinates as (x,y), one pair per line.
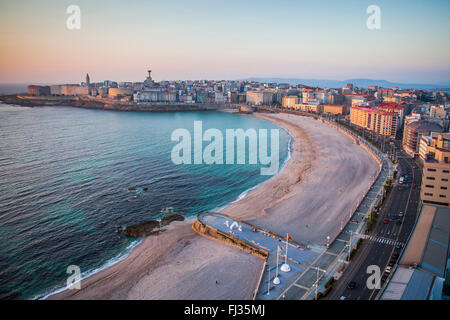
(386,241)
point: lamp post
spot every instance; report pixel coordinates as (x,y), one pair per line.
(317,282)
(285,267)
(276,280)
(350,246)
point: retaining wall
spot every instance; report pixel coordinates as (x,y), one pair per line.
(215,234)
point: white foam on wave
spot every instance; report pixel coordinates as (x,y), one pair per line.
(89,273)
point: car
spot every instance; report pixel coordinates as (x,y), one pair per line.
(414,185)
(342,298)
(399,221)
(384,277)
(385,221)
(395,255)
(351,285)
(398,246)
(400,214)
(388,269)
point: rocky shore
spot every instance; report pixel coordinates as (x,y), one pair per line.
(99,105)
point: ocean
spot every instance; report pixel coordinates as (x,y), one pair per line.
(64,179)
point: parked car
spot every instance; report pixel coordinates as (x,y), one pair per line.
(386,221)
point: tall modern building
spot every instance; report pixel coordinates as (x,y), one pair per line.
(436,171)
(375,119)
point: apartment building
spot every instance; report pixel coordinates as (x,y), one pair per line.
(375,119)
(413,133)
(334,109)
(258,98)
(289,101)
(436,171)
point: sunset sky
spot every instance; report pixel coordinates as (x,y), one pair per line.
(120,40)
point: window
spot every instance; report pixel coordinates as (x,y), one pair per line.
(442,196)
(443,179)
(432,178)
(443,188)
(432,170)
(429,186)
(446,171)
(429,194)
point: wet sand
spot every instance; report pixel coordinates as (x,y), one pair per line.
(323,179)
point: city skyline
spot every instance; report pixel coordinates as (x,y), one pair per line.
(225,40)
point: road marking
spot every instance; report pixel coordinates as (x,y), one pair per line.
(300,286)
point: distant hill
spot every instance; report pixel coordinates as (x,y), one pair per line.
(361,83)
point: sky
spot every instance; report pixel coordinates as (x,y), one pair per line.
(224,39)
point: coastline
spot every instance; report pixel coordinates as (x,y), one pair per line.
(96,104)
(180,264)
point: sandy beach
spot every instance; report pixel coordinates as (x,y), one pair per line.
(322,182)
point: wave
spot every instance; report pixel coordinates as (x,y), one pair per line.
(88,273)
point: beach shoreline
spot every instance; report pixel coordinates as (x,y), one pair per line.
(180,264)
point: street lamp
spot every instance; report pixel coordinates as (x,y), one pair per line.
(276,280)
(285,267)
